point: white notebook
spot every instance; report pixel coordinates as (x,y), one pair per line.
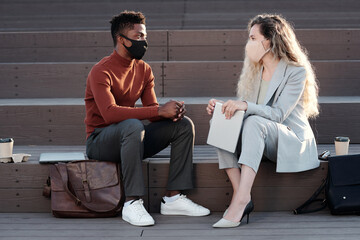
(224,133)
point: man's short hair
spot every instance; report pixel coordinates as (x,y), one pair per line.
(125,20)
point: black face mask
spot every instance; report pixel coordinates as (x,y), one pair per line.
(137,49)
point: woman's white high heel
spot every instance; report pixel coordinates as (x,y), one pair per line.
(224,223)
(225,212)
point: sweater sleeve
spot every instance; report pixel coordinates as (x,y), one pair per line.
(100,83)
(148,97)
(287,101)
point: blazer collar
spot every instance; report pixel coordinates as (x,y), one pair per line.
(276,80)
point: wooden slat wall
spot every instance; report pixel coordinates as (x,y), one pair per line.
(173,45)
(334,120)
(23,175)
(83,15)
(23,200)
(21,187)
(73,46)
(271,192)
(172,79)
(183,79)
(186,79)
(69,9)
(53,80)
(337,120)
(179,14)
(215,45)
(63,125)
(207,45)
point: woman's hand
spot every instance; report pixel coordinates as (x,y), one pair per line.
(230,107)
(211,106)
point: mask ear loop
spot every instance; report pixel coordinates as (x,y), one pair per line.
(266,50)
(120,35)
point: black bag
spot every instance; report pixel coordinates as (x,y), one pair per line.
(342,187)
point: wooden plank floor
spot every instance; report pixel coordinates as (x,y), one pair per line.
(263,225)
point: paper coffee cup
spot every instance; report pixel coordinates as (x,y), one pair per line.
(6,147)
(342,145)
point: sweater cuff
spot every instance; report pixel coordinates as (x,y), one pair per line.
(251,109)
(154,112)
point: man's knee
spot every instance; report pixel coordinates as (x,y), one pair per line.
(130,127)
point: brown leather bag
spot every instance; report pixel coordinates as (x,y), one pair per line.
(86,189)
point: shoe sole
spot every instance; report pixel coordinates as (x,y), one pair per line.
(138,224)
(183,214)
(229,226)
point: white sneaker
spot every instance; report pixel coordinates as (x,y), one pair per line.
(183,206)
(136,214)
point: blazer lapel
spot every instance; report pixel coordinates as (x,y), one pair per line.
(276,80)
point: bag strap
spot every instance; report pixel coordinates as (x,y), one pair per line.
(85,182)
(47,188)
(312,199)
(324,157)
(61,167)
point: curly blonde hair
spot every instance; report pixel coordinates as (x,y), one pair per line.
(284,45)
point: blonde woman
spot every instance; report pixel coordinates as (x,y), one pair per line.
(278,92)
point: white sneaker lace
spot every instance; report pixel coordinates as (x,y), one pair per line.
(139,207)
(188,201)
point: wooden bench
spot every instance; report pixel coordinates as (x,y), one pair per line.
(21,184)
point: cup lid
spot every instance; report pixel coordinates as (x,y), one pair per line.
(342,139)
(6,140)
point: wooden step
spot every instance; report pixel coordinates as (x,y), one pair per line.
(52,80)
(21,184)
(176,14)
(70,46)
(61,121)
(164,45)
(172,78)
(321,44)
(206,78)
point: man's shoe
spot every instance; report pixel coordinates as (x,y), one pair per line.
(183,206)
(136,214)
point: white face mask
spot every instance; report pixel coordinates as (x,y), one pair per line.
(255,50)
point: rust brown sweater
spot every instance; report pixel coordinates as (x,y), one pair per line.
(113,86)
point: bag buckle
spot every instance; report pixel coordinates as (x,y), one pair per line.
(77,202)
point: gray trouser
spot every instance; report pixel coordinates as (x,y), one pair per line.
(130,141)
(258,138)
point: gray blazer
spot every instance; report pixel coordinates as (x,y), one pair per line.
(297,149)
